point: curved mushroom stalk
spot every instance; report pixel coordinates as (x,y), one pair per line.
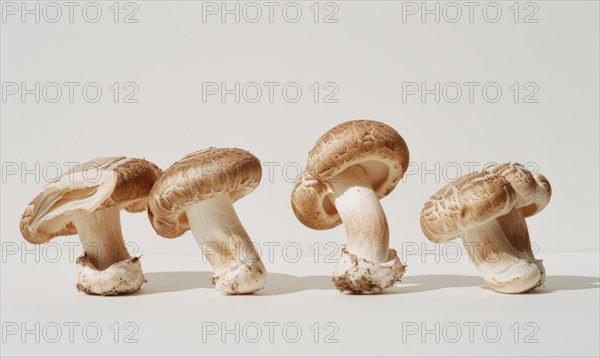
(101,237)
(495,258)
(197,193)
(106,266)
(73,205)
(349,169)
(515,229)
(362,215)
(488,209)
(227,246)
(367,264)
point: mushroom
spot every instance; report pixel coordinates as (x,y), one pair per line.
(487,209)
(86,201)
(349,169)
(197,193)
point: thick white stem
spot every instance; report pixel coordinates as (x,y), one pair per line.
(220,234)
(501,266)
(101,237)
(515,228)
(362,214)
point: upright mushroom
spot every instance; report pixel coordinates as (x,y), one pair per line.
(487,209)
(86,201)
(197,193)
(349,169)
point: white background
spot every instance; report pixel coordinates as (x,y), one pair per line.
(370,53)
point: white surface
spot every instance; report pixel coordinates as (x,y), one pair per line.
(368,54)
(172,307)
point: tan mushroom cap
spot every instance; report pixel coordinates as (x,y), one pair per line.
(476,198)
(533,190)
(93,185)
(373,145)
(199,176)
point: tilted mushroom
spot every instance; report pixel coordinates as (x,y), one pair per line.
(487,209)
(197,193)
(86,201)
(349,169)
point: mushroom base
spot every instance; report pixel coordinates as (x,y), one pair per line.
(242,278)
(518,278)
(357,275)
(504,269)
(123,277)
(515,229)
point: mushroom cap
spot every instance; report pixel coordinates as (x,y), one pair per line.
(373,145)
(199,176)
(533,190)
(94,185)
(476,198)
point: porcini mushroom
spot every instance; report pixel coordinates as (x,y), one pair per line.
(197,193)
(487,209)
(349,169)
(86,201)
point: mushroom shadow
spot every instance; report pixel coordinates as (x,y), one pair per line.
(277,284)
(173,281)
(282,284)
(568,282)
(421,283)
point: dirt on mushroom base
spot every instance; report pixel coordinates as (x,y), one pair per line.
(363,285)
(357,275)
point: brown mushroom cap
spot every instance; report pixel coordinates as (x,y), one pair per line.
(93,185)
(199,176)
(533,191)
(311,204)
(479,197)
(374,146)
(541,198)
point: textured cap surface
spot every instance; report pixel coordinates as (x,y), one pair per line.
(374,146)
(533,191)
(199,176)
(476,198)
(93,185)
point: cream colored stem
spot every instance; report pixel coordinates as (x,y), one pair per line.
(101,237)
(515,228)
(219,232)
(502,268)
(362,214)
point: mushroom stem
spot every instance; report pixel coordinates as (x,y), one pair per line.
(363,217)
(219,232)
(101,237)
(495,258)
(515,229)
